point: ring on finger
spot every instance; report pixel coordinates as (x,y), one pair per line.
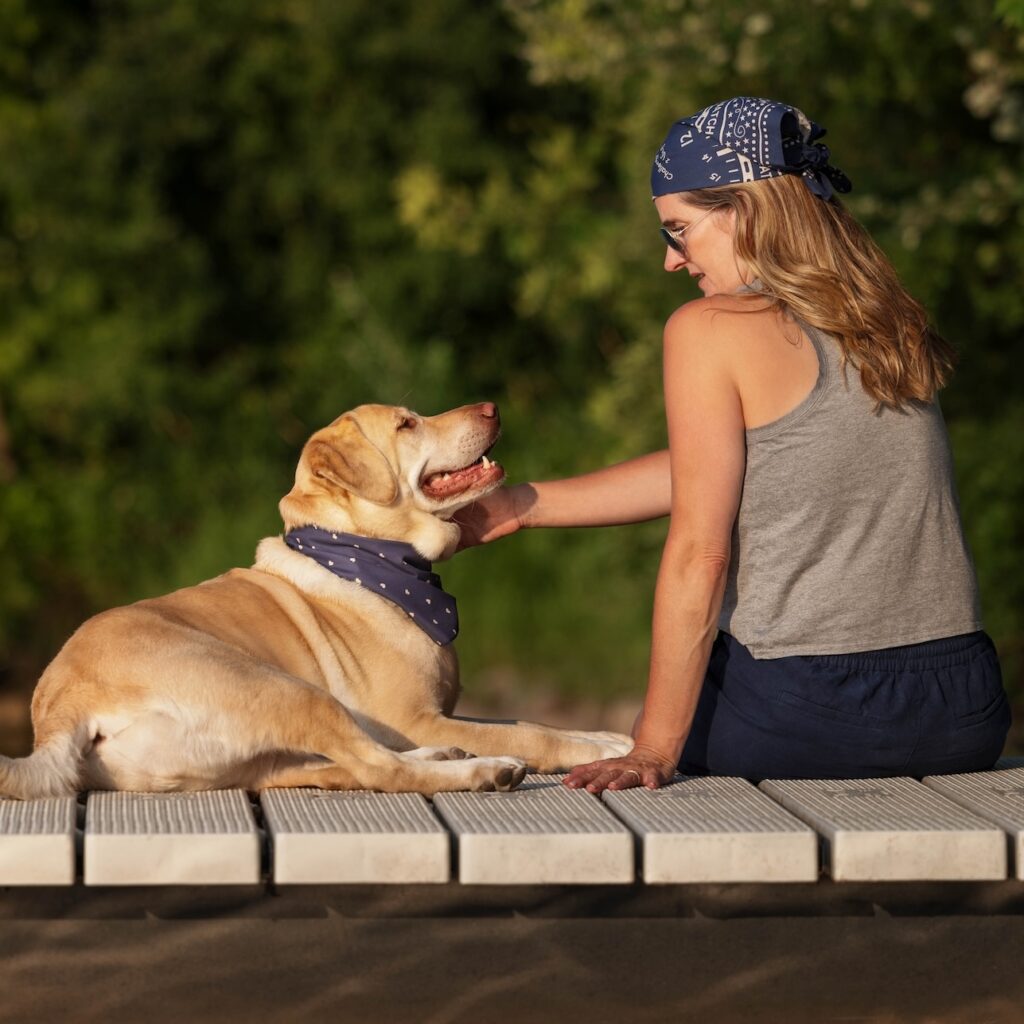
(633,771)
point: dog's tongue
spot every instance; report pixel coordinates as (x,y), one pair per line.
(455,481)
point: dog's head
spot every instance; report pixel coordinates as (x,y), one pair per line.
(385,471)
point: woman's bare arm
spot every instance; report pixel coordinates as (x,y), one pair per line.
(706,434)
(628,492)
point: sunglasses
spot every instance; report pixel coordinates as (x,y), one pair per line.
(674,236)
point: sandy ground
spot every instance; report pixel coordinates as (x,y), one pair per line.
(537,958)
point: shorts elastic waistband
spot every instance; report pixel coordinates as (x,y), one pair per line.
(931,654)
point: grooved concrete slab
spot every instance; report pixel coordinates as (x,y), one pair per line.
(716,830)
(539,833)
(893,830)
(171,839)
(324,836)
(996,796)
(37,841)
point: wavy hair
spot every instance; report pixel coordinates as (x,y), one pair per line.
(816,261)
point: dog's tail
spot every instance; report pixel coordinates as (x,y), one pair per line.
(52,769)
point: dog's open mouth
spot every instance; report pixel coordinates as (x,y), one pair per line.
(450,482)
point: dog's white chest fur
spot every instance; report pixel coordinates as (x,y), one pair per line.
(411,652)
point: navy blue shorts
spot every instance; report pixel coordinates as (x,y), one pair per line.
(924,709)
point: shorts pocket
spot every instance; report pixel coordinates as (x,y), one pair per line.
(977,688)
(830,714)
(982,714)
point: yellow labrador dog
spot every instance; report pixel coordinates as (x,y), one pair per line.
(305,670)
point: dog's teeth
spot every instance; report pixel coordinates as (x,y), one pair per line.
(486,462)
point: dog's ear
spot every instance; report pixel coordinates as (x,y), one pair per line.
(348,459)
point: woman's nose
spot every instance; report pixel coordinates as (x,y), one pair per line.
(674,259)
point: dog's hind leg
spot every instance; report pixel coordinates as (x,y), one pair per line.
(298,718)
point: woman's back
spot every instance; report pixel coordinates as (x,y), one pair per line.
(775,364)
(848,534)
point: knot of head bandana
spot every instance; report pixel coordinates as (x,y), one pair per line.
(805,156)
(815,156)
(744,139)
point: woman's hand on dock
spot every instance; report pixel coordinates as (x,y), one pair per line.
(642,766)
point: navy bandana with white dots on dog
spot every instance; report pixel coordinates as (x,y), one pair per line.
(391,568)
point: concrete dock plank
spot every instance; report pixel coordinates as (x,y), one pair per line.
(540,833)
(37,841)
(714,829)
(996,796)
(893,830)
(202,838)
(322,836)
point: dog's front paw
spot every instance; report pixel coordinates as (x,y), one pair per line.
(439,754)
(614,744)
(499,774)
(596,746)
(584,747)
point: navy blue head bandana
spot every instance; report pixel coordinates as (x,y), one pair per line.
(744,139)
(387,567)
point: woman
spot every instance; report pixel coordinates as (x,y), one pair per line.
(816,612)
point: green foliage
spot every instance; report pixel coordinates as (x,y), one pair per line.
(1011,11)
(223,224)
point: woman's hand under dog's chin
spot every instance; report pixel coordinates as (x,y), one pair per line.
(493,516)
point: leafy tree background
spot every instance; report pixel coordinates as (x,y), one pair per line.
(223,224)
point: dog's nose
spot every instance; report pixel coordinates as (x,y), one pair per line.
(488,410)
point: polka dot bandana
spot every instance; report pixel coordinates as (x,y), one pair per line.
(744,139)
(386,567)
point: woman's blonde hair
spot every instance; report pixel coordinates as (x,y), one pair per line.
(815,260)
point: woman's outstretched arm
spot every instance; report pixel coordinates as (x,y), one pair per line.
(628,492)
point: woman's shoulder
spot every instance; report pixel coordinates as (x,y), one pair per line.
(722,317)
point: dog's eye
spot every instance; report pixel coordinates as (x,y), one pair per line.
(407,423)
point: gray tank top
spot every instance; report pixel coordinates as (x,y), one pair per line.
(848,535)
